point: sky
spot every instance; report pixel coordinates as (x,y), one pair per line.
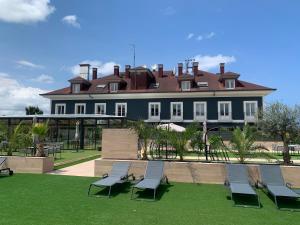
(43,41)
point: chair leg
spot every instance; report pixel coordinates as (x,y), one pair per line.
(154,194)
(109,191)
(275,198)
(89,189)
(132,192)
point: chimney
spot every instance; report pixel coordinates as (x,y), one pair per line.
(116,70)
(160,70)
(84,71)
(180,66)
(222,68)
(127,73)
(195,68)
(95,73)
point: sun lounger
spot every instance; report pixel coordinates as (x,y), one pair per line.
(3,169)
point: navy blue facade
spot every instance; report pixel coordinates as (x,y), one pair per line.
(138,108)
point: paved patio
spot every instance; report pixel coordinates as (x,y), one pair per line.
(85,169)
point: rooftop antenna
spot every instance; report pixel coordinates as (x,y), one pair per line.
(133,47)
(187,64)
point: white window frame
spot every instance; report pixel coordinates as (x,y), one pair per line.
(188,88)
(59,105)
(121,104)
(80,104)
(230,81)
(250,118)
(176,118)
(76,90)
(113,87)
(200,118)
(225,118)
(96,108)
(154,118)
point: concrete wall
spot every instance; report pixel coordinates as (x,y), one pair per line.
(119,144)
(197,172)
(30,164)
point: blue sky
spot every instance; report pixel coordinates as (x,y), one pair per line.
(40,48)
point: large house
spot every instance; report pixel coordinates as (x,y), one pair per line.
(161,95)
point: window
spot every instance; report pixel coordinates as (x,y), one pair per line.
(200,111)
(121,109)
(113,87)
(250,110)
(75,88)
(60,109)
(154,110)
(80,108)
(100,108)
(224,109)
(185,85)
(176,111)
(229,83)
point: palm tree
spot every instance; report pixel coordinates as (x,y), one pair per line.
(41,131)
(33,110)
(144,132)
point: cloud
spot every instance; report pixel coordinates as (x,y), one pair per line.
(104,68)
(210,35)
(71,20)
(199,38)
(189,36)
(25,11)
(169,11)
(44,78)
(24,63)
(207,62)
(154,67)
(16,96)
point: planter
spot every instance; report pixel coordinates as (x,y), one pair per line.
(21,164)
(197,172)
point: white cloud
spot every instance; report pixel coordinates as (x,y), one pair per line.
(207,62)
(71,20)
(199,38)
(104,68)
(169,11)
(44,78)
(24,63)
(25,11)
(16,96)
(189,36)
(210,35)
(154,67)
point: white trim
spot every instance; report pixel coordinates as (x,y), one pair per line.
(200,118)
(154,118)
(56,108)
(209,121)
(96,107)
(186,82)
(250,119)
(230,80)
(116,108)
(115,89)
(80,104)
(208,94)
(176,118)
(225,118)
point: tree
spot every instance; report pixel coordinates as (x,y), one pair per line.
(280,120)
(41,131)
(144,132)
(33,110)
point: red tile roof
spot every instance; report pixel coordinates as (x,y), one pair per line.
(168,83)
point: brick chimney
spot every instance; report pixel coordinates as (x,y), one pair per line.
(160,70)
(222,68)
(95,73)
(127,73)
(180,68)
(116,70)
(195,68)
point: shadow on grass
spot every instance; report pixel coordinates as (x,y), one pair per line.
(244,200)
(147,194)
(115,190)
(285,203)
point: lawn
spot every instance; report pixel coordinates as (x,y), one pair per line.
(49,199)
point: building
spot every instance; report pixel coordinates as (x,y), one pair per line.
(162,96)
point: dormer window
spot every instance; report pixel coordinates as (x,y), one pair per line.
(75,88)
(230,83)
(185,85)
(113,87)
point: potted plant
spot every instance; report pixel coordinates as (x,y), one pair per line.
(40,130)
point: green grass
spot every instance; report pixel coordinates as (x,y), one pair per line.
(28,199)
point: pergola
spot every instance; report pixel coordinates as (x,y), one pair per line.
(62,127)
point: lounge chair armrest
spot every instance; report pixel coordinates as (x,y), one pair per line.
(252,183)
(289,185)
(226,183)
(105,175)
(131,175)
(260,184)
